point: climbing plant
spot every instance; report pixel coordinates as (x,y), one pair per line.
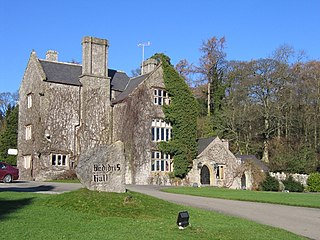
(182,114)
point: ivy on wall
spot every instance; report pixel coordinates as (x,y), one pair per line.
(182,114)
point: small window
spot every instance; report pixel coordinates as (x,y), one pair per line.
(27,161)
(220,172)
(28,132)
(59,159)
(161,97)
(29,100)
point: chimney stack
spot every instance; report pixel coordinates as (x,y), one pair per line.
(148,66)
(95,57)
(52,55)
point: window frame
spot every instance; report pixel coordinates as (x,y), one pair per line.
(160,130)
(28,132)
(29,100)
(220,172)
(27,161)
(160,97)
(59,159)
(161,162)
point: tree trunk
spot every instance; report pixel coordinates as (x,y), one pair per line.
(209,98)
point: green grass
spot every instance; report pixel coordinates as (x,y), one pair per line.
(85,214)
(292,199)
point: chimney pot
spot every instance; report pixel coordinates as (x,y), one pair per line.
(52,55)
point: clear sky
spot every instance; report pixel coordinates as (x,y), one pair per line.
(253,29)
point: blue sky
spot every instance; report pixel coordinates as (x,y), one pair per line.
(253,29)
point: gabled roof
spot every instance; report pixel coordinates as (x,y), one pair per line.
(61,72)
(254,160)
(132,84)
(203,143)
(69,73)
(119,80)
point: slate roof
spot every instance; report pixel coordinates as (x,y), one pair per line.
(254,160)
(203,143)
(68,73)
(62,72)
(132,84)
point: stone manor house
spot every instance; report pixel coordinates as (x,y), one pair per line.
(66,109)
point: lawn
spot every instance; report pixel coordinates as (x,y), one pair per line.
(292,199)
(85,214)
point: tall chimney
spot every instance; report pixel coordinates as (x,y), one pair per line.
(52,55)
(95,56)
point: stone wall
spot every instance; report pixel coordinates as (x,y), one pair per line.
(132,120)
(53,116)
(31,84)
(301,178)
(218,153)
(95,124)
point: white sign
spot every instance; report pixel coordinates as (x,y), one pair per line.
(13,151)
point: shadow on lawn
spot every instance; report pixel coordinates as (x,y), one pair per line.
(9,206)
(42,188)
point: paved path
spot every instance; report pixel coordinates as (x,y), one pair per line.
(299,220)
(39,187)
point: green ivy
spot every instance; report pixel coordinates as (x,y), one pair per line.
(182,114)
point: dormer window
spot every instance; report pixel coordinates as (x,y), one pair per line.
(161,97)
(29,100)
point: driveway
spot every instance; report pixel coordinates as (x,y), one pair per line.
(299,220)
(39,187)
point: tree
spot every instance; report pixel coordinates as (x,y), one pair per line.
(136,72)
(9,134)
(182,114)
(7,99)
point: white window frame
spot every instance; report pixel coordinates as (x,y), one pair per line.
(29,100)
(161,162)
(28,132)
(59,160)
(160,97)
(27,161)
(160,130)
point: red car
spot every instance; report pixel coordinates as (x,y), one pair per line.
(8,172)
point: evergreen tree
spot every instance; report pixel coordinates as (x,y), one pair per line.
(9,135)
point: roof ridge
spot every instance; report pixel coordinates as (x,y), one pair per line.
(66,63)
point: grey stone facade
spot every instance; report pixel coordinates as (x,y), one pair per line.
(66,110)
(216,165)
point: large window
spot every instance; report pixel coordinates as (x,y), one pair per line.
(161,97)
(59,159)
(161,162)
(161,130)
(28,131)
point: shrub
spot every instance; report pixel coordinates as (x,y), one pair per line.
(292,186)
(270,184)
(314,182)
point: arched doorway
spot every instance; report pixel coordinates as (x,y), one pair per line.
(243,182)
(205,175)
